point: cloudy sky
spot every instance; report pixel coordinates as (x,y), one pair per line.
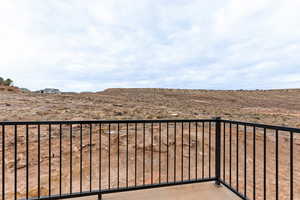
(92,45)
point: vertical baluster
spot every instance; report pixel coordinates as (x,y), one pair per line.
(245,161)
(182,151)
(16,162)
(91,156)
(265,164)
(71,159)
(118,155)
(39,161)
(189,151)
(209,149)
(230,153)
(159,161)
(291,165)
(254,163)
(167,152)
(143,153)
(135,155)
(203,126)
(109,156)
(80,158)
(100,156)
(126,154)
(60,159)
(151,153)
(218,139)
(237,157)
(175,125)
(196,156)
(224,151)
(49,155)
(27,162)
(3,162)
(276,167)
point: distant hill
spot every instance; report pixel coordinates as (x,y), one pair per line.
(9,88)
(278,107)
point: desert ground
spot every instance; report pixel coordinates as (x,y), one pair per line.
(275,107)
(278,107)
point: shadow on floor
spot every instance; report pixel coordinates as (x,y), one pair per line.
(196,191)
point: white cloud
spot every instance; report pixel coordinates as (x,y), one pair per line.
(98,44)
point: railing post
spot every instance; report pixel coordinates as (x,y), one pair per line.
(218,149)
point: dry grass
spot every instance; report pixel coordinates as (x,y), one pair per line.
(278,107)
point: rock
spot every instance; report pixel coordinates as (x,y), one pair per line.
(110,132)
(118,105)
(118,113)
(21,166)
(88,145)
(10,164)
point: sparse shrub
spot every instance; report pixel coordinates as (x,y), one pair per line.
(7,82)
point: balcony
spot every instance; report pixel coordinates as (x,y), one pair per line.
(197,191)
(181,159)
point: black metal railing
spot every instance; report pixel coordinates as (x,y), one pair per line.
(65,159)
(257,160)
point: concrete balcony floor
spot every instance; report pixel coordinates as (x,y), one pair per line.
(196,191)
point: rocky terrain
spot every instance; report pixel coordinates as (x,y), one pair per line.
(276,107)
